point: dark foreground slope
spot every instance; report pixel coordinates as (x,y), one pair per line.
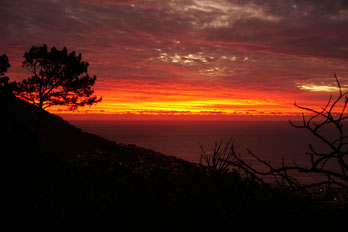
(82,179)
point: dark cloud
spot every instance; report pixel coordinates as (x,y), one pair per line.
(311,28)
(268,45)
(108,2)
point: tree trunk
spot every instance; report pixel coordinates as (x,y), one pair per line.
(37,132)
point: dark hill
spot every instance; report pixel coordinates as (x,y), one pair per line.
(59,139)
(82,179)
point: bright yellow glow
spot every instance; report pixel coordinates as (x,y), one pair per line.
(194,106)
(319,88)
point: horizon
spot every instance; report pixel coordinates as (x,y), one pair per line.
(190,60)
(149,117)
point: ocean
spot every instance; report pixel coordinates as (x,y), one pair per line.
(270,140)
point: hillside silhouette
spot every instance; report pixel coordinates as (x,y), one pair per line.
(59,139)
(83,179)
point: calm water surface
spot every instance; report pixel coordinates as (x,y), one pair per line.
(271,141)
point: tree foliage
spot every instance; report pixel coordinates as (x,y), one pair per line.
(58,77)
(4,66)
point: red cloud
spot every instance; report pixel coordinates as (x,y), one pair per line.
(108,2)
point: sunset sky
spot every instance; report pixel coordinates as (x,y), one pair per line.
(208,59)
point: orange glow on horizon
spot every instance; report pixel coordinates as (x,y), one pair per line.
(181,101)
(190,59)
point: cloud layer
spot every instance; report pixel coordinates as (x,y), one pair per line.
(190,55)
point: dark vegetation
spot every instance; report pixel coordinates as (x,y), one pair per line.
(85,180)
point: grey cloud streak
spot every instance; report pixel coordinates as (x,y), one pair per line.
(317,28)
(309,37)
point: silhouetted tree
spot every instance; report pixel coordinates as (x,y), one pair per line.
(5,86)
(4,65)
(58,77)
(332,164)
(216,161)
